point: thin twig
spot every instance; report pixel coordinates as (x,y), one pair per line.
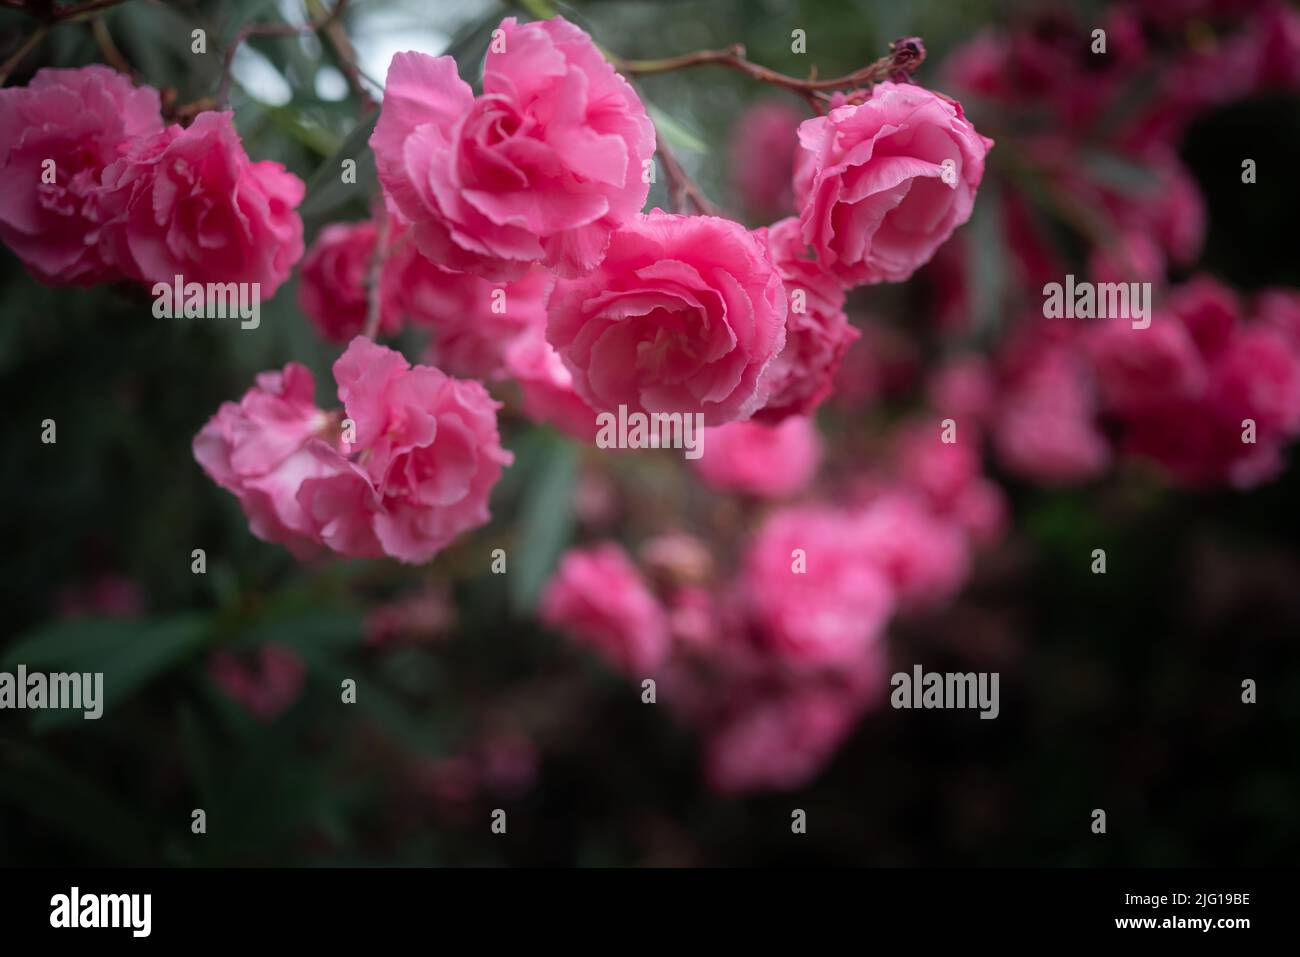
(107,47)
(337,36)
(374,296)
(905,55)
(314,25)
(680,186)
(20,54)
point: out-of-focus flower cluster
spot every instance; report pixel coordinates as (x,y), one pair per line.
(512,231)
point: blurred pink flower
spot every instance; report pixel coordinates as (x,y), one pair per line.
(925,557)
(598,596)
(762,150)
(333,281)
(110,596)
(547,386)
(779,741)
(766,461)
(473,321)
(1046,429)
(814,595)
(266,686)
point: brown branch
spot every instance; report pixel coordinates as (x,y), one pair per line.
(374,291)
(314,25)
(347,56)
(680,186)
(905,55)
(20,54)
(107,47)
(49,12)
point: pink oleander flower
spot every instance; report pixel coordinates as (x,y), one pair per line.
(1046,427)
(1210,310)
(780,741)
(262,450)
(1137,369)
(332,283)
(542,167)
(926,558)
(82,120)
(547,386)
(964,390)
(948,474)
(684,315)
(817,332)
(425,457)
(430,455)
(1208,396)
(188,202)
(766,461)
(814,597)
(1131,257)
(1280,310)
(1258,377)
(472,321)
(598,596)
(763,143)
(265,687)
(881,185)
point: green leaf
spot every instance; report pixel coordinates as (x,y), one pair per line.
(677,135)
(130,654)
(326,191)
(546,524)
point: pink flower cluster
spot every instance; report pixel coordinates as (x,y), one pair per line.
(404,469)
(776,664)
(102,191)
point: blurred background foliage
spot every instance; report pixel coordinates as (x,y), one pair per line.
(1119,691)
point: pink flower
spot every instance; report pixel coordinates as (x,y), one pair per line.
(779,741)
(1210,311)
(1258,378)
(814,596)
(425,457)
(881,185)
(1131,257)
(599,597)
(1280,309)
(472,320)
(543,166)
(817,331)
(766,461)
(332,287)
(763,142)
(547,386)
(1046,428)
(430,457)
(188,202)
(1141,368)
(266,687)
(926,558)
(963,389)
(261,449)
(683,315)
(82,120)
